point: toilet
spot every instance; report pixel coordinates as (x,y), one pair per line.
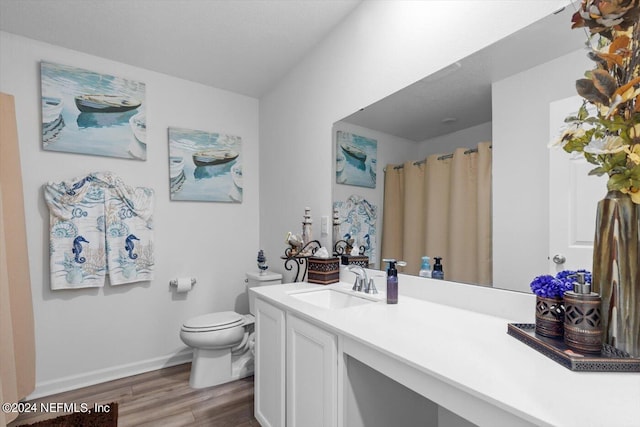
(222,342)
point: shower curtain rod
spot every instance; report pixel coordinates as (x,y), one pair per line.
(444,156)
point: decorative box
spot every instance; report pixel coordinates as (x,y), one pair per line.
(323,270)
(361,260)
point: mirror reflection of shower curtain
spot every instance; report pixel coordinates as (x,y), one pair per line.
(441,208)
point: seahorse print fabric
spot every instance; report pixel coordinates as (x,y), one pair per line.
(358,222)
(77,245)
(99,226)
(129,234)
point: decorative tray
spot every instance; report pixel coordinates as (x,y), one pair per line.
(610,359)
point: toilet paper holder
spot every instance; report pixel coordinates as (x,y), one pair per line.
(174,282)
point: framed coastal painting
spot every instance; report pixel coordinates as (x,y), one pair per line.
(356,160)
(205,166)
(86,112)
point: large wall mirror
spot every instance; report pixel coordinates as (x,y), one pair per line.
(499,94)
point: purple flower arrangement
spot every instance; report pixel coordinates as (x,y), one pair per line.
(547,286)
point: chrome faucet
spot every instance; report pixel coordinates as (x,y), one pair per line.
(362,281)
(361,277)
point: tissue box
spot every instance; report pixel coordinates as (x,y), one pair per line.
(361,260)
(323,270)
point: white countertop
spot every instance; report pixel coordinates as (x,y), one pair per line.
(472,352)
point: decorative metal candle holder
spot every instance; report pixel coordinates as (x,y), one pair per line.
(341,248)
(297,257)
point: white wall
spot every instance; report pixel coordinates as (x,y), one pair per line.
(466,138)
(521,167)
(380,48)
(86,336)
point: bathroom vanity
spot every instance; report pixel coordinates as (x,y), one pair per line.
(329,356)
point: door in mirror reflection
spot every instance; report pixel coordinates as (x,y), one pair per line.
(573,198)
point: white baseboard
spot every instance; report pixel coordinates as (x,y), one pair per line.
(59,385)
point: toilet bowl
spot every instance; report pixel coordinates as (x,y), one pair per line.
(222,342)
(218,340)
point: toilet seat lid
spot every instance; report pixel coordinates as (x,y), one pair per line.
(214,321)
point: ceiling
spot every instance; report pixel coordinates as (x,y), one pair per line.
(244,46)
(462,91)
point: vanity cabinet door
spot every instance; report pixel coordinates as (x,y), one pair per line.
(270,361)
(312,375)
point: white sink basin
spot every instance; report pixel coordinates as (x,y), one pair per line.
(331,298)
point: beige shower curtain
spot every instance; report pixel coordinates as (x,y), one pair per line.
(17,346)
(441,207)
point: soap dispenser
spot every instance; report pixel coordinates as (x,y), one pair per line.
(425,269)
(392,280)
(437,273)
(582,318)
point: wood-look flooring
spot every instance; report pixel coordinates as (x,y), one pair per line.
(163,398)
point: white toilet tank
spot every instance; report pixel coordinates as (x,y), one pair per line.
(260,279)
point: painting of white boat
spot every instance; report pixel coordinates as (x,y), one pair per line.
(213,157)
(205,166)
(138,125)
(236,174)
(51,109)
(353,151)
(52,121)
(373,169)
(86,112)
(340,163)
(176,166)
(356,158)
(176,173)
(235,193)
(102,103)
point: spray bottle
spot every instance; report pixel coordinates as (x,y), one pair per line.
(392,280)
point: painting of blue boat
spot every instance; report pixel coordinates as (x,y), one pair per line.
(205,166)
(356,160)
(87,112)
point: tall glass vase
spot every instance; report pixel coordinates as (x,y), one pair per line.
(616,270)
